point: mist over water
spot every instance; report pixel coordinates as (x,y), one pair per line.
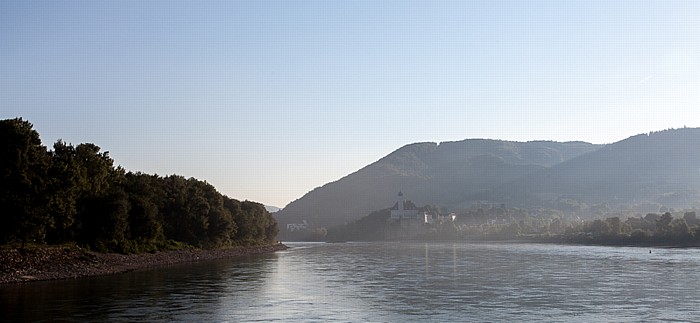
(386,282)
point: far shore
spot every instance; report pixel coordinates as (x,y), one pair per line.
(68,262)
(543,240)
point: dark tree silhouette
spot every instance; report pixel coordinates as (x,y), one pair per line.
(77,194)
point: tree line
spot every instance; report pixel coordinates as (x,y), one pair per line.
(76,194)
(494,223)
(548,225)
(650,229)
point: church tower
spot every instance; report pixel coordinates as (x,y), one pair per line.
(404,209)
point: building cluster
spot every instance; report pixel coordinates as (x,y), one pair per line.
(405,211)
(291,227)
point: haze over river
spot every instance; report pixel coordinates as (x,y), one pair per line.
(386,282)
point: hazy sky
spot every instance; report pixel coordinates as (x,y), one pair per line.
(267,100)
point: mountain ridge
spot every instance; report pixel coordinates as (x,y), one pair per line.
(658,168)
(429,173)
(643,173)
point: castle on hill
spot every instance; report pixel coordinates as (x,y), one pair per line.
(405,211)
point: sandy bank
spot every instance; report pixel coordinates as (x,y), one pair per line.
(57,262)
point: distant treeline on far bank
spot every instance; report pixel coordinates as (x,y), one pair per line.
(670,228)
(75,194)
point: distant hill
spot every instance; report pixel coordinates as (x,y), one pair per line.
(656,169)
(271,209)
(448,173)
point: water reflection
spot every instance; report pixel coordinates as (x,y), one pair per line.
(386,282)
(177,293)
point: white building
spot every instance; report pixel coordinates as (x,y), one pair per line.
(291,227)
(405,210)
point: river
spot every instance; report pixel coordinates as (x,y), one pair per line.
(385,282)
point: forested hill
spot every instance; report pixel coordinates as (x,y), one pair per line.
(428,173)
(76,194)
(647,171)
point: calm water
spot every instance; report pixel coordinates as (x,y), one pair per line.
(386,282)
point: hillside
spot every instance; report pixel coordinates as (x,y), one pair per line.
(448,173)
(647,171)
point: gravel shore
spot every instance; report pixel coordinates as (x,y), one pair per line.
(59,262)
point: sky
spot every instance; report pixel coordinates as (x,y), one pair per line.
(267,100)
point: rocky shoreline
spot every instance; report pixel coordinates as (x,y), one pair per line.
(67,262)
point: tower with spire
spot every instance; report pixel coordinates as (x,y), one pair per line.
(404,209)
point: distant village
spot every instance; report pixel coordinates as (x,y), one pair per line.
(404,213)
(488,221)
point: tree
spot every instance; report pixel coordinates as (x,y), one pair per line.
(599,227)
(76,194)
(221,229)
(555,227)
(616,227)
(663,225)
(690,218)
(102,204)
(23,169)
(177,219)
(145,225)
(254,224)
(64,191)
(511,231)
(96,170)
(679,230)
(143,219)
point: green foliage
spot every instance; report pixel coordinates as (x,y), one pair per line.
(23,171)
(254,223)
(486,222)
(76,194)
(651,229)
(369,228)
(64,189)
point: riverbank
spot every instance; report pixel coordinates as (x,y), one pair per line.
(67,262)
(557,240)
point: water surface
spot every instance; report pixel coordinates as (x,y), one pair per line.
(386,282)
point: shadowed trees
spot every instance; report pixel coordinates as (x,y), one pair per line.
(650,229)
(77,194)
(24,165)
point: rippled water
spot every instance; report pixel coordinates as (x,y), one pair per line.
(386,282)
